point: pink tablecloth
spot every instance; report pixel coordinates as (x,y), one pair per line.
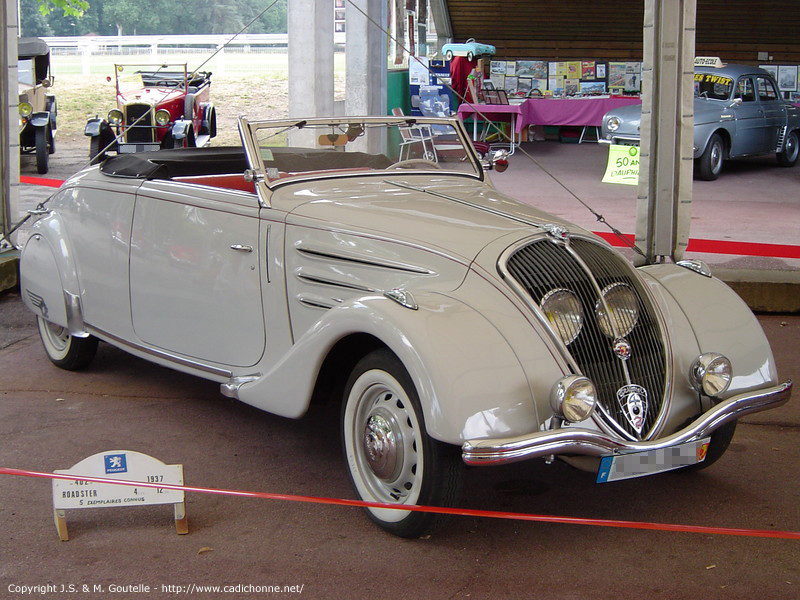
(578,112)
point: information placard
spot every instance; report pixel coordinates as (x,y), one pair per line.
(126,465)
(623,165)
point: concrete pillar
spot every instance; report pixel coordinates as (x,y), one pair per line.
(366,63)
(310,24)
(9,139)
(667,130)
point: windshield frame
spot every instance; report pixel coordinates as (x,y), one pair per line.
(249,132)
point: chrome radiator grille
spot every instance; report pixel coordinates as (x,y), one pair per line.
(143,130)
(546,265)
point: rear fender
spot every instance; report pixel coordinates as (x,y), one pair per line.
(48,277)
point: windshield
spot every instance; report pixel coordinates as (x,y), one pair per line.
(715,87)
(359,146)
(25,71)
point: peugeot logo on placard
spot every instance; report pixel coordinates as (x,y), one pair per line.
(633,402)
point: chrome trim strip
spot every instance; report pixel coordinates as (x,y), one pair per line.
(384,264)
(332,282)
(573,440)
(163,355)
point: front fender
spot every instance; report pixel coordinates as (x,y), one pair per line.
(95,127)
(40,119)
(720,322)
(469,380)
(180,129)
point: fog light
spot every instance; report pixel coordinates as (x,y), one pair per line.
(115,116)
(711,373)
(573,398)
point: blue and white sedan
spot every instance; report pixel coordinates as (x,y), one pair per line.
(738,112)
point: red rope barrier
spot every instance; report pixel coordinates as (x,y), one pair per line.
(41,181)
(464,512)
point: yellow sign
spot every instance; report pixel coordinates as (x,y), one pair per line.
(623,165)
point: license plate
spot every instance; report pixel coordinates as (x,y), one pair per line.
(649,462)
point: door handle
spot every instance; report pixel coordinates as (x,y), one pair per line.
(241,248)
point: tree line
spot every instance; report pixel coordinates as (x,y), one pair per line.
(152,17)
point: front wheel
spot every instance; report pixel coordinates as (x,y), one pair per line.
(65,350)
(709,164)
(390,457)
(791,149)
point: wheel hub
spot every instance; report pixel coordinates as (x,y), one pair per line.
(381,447)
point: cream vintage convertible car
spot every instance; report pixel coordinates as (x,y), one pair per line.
(370,261)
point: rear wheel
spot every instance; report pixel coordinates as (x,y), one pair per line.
(791,149)
(42,150)
(65,350)
(390,457)
(709,164)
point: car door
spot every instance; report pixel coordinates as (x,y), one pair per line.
(195,272)
(749,135)
(774,111)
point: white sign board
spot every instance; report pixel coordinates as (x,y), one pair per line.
(126,465)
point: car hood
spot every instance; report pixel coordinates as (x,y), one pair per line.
(629,116)
(453,215)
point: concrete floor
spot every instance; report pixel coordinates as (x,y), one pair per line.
(51,419)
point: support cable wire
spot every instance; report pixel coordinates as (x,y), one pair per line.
(600,218)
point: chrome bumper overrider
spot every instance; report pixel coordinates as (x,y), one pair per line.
(576,441)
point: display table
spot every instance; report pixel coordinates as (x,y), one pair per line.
(575,112)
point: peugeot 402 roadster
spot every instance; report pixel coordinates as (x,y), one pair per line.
(370,261)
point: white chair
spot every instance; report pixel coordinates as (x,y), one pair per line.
(415,134)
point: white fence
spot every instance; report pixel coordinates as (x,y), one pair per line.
(154,45)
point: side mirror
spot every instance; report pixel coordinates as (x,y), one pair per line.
(497,161)
(735,102)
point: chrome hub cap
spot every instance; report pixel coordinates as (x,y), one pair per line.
(381,449)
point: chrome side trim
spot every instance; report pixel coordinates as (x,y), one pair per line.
(359,259)
(573,440)
(162,354)
(309,278)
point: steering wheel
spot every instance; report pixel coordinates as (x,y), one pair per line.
(402,164)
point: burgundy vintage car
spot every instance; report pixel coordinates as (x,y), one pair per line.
(158,106)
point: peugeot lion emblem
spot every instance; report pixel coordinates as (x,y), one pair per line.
(633,401)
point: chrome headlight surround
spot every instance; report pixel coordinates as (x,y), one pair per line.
(711,373)
(573,398)
(613,123)
(25,109)
(162,117)
(623,310)
(563,311)
(115,116)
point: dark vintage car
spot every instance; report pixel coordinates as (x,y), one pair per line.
(158,106)
(738,112)
(37,107)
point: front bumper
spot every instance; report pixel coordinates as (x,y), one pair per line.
(577,441)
